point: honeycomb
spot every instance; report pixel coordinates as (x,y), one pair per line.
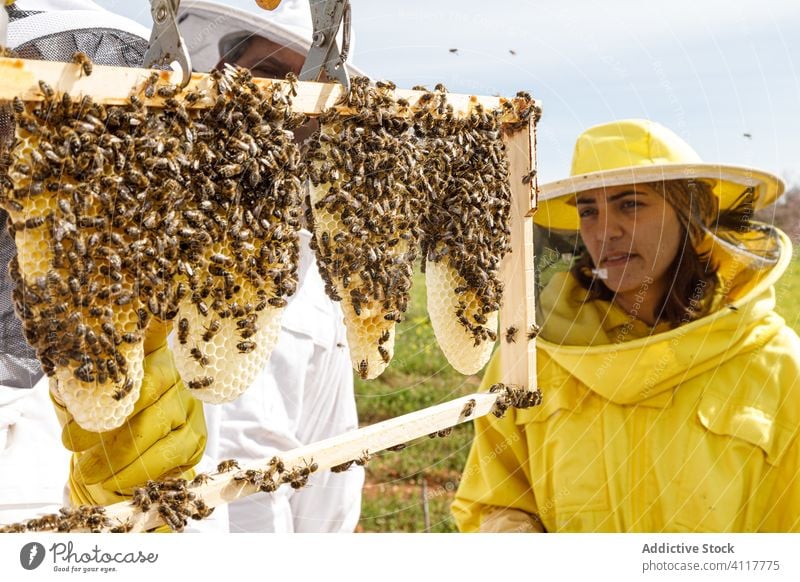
(465,228)
(205,363)
(124,214)
(457,342)
(370,335)
(364,207)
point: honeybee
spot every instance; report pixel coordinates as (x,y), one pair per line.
(469,408)
(384,354)
(46,90)
(511,334)
(212,330)
(533,331)
(363,368)
(343,467)
(246,347)
(363,459)
(526,179)
(199,356)
(200,479)
(183,330)
(200,382)
(122,527)
(124,391)
(277,301)
(229,465)
(82,59)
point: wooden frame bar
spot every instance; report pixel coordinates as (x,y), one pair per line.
(223,488)
(518,312)
(21,78)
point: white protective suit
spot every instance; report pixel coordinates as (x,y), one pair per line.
(304,394)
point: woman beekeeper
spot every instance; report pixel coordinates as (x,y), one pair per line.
(671,387)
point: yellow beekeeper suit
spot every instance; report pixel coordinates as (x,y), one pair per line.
(689,429)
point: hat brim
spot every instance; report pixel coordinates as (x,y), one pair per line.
(204,24)
(556,208)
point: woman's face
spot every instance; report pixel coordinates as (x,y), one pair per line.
(632,235)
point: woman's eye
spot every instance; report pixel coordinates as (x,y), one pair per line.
(587,212)
(628,204)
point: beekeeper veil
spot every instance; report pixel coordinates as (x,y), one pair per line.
(53,30)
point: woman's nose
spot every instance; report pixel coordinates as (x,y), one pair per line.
(610,229)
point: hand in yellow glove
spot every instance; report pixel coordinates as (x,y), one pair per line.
(164,436)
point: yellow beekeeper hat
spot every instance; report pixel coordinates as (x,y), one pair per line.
(638,150)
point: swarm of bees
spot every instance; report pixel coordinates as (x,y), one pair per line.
(466,227)
(364,204)
(389,180)
(510,396)
(121,214)
(83,517)
(190,215)
(174,500)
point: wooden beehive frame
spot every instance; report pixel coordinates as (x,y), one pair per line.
(21,79)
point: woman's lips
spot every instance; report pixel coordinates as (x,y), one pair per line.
(617,259)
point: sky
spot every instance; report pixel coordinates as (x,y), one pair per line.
(723,74)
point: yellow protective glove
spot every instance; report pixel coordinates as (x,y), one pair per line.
(164,436)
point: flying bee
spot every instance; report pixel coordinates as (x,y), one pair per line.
(228,465)
(199,357)
(83,60)
(511,334)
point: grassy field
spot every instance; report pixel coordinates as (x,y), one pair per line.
(400,484)
(787,293)
(419,376)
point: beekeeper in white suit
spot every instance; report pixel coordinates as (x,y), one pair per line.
(305,393)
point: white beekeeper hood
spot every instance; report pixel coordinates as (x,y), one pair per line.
(209,27)
(58,16)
